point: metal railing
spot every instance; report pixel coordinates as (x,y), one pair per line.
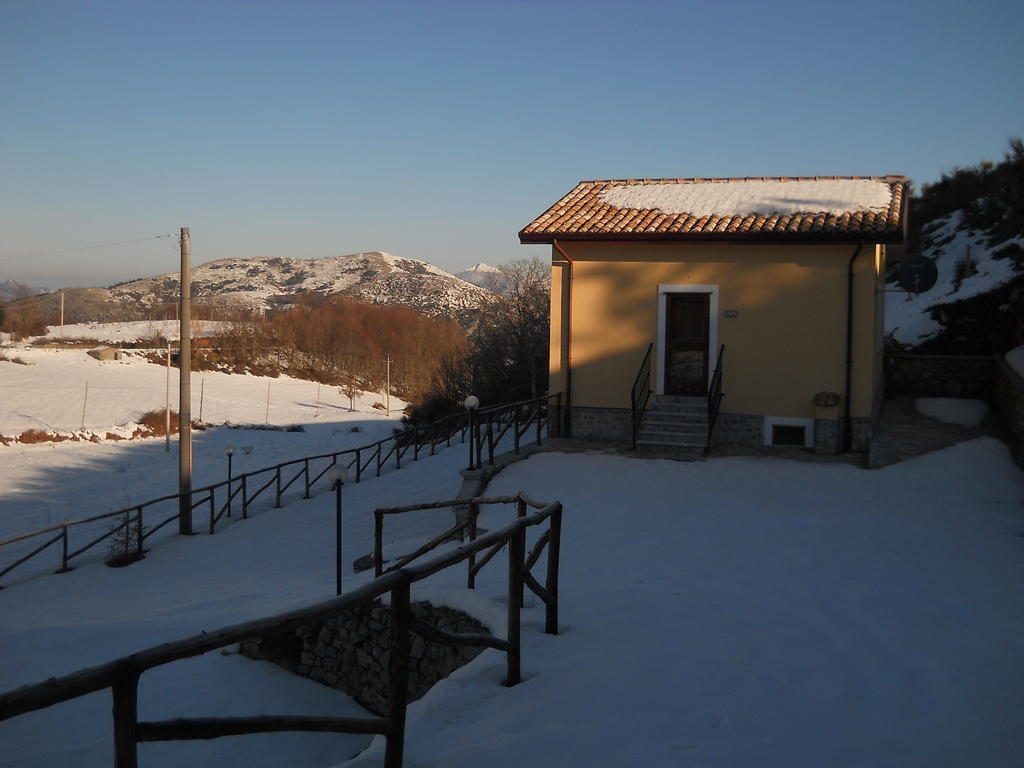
(641,392)
(483,430)
(715,396)
(122,675)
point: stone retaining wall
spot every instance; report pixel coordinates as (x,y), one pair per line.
(1008,399)
(350,651)
(939,375)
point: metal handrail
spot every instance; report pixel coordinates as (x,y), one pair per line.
(641,392)
(475,429)
(715,396)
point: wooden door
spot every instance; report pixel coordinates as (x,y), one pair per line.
(686,343)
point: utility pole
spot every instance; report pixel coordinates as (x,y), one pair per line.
(167,403)
(185,392)
(387,387)
(62,314)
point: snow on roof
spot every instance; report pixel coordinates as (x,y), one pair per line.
(780,209)
(744,197)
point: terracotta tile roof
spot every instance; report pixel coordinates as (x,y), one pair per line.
(804,208)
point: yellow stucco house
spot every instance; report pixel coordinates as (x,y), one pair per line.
(688,313)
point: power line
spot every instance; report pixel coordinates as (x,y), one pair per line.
(85,247)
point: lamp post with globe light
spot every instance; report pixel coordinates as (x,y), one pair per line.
(472,403)
(336,476)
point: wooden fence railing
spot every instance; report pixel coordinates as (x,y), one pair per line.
(122,675)
(483,429)
(468,528)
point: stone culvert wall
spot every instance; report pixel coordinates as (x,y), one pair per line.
(350,651)
(940,375)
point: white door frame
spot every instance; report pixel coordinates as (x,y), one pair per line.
(663,291)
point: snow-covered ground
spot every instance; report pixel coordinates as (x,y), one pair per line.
(47,483)
(954,410)
(732,612)
(133,330)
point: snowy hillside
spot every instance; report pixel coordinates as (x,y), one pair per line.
(376,277)
(968,264)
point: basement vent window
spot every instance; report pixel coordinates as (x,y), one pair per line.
(783,435)
(779,430)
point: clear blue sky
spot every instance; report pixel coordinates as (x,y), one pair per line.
(436,130)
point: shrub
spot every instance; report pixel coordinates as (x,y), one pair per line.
(154,422)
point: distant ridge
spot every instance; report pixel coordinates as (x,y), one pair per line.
(263,283)
(485,276)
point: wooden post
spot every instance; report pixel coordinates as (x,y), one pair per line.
(305,470)
(337,536)
(64,550)
(138,529)
(516,554)
(125,693)
(398,674)
(359,466)
(84,401)
(213,511)
(378,542)
(474,511)
(551,581)
(520,507)
(245,501)
(277,487)
(167,403)
(490,441)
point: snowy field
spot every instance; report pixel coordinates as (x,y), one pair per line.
(133,330)
(48,483)
(732,612)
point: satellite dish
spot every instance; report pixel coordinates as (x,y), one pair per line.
(917,274)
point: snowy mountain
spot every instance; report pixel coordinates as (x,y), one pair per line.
(484,276)
(375,277)
(12,289)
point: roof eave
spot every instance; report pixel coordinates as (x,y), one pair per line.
(888,237)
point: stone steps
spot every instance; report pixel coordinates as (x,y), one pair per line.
(675,425)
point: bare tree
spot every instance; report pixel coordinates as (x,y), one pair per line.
(509,351)
(351,391)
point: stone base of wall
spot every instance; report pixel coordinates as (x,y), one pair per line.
(602,423)
(731,429)
(350,651)
(738,429)
(828,437)
(744,429)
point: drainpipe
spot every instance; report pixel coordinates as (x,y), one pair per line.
(847,420)
(568,340)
